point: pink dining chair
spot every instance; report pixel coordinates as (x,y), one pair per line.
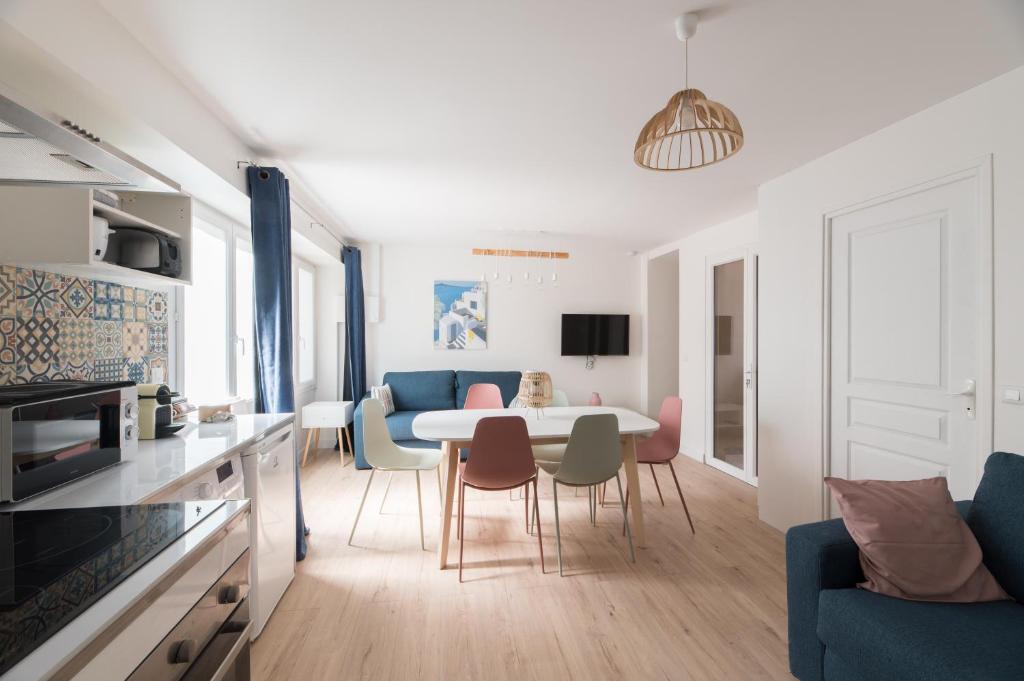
(502,459)
(483,396)
(663,446)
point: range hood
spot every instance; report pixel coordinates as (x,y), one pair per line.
(40,149)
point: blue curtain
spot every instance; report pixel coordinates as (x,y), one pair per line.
(355,326)
(272,274)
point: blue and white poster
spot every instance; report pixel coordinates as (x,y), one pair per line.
(460,315)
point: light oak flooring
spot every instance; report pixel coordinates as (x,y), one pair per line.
(705,607)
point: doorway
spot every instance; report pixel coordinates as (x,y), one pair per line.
(732,364)
(662,330)
(910,334)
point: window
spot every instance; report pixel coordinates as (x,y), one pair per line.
(206,317)
(305,327)
(217,337)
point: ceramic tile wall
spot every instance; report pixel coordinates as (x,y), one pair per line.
(54,326)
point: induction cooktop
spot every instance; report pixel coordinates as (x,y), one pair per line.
(54,564)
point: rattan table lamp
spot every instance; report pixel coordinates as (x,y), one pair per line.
(535,390)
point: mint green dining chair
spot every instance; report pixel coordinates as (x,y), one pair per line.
(592,456)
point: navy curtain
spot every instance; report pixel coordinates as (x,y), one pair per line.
(272,274)
(355,326)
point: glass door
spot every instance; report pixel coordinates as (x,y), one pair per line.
(731,365)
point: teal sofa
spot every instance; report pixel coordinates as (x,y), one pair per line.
(415,392)
(840,633)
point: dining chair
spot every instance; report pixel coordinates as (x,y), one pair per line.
(559,398)
(502,460)
(592,457)
(483,396)
(662,447)
(384,455)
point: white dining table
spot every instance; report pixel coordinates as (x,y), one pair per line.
(453,428)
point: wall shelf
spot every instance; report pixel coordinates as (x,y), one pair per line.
(50,228)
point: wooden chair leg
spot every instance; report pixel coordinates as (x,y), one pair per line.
(359,511)
(626,502)
(462,517)
(387,488)
(656,485)
(536,514)
(305,450)
(419,506)
(458,513)
(681,498)
(625,518)
(440,494)
(558,527)
(526,505)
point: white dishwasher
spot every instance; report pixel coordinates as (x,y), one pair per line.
(268,469)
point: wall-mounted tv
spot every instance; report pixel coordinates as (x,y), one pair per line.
(595,334)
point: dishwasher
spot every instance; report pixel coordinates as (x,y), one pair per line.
(268,471)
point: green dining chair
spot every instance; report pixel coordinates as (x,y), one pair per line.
(592,456)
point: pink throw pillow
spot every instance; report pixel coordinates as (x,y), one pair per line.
(913,543)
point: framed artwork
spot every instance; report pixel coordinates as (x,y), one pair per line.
(460,315)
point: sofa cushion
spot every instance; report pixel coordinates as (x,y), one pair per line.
(507,382)
(997,520)
(422,390)
(890,639)
(400,425)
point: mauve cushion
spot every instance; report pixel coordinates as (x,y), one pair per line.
(913,543)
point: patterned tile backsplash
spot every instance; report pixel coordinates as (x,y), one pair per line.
(54,326)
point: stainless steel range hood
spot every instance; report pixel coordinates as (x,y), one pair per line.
(41,149)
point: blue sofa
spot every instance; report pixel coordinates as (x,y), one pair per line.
(840,633)
(415,392)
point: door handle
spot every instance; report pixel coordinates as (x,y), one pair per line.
(969,391)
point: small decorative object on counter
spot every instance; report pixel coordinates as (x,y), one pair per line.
(595,399)
(215,413)
(535,390)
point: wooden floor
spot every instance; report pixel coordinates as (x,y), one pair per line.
(705,607)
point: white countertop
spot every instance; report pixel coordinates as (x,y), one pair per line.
(155,465)
(552,422)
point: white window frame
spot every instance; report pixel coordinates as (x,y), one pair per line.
(303,386)
(234,233)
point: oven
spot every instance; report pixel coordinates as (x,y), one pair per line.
(211,642)
(54,433)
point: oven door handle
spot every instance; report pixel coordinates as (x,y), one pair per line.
(229,660)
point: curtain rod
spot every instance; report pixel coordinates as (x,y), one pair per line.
(341,243)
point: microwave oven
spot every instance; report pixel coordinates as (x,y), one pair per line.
(54,433)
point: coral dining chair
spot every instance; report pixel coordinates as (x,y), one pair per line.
(502,459)
(663,446)
(483,396)
(384,455)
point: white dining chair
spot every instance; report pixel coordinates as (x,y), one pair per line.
(384,455)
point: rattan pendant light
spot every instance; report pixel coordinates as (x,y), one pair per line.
(691,131)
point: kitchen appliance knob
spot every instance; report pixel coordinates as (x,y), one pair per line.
(181,652)
(130,432)
(131,410)
(228,594)
(204,490)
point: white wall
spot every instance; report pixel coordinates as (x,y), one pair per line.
(694,252)
(524,321)
(942,139)
(662,314)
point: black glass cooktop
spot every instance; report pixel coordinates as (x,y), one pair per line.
(54,564)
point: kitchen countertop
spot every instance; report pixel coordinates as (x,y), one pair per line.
(153,466)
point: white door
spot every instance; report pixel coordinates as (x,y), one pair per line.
(909,337)
(731,360)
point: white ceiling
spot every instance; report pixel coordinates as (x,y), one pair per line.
(450,119)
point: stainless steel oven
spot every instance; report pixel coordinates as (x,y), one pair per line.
(211,642)
(53,433)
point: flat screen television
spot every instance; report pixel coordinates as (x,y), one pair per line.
(595,334)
